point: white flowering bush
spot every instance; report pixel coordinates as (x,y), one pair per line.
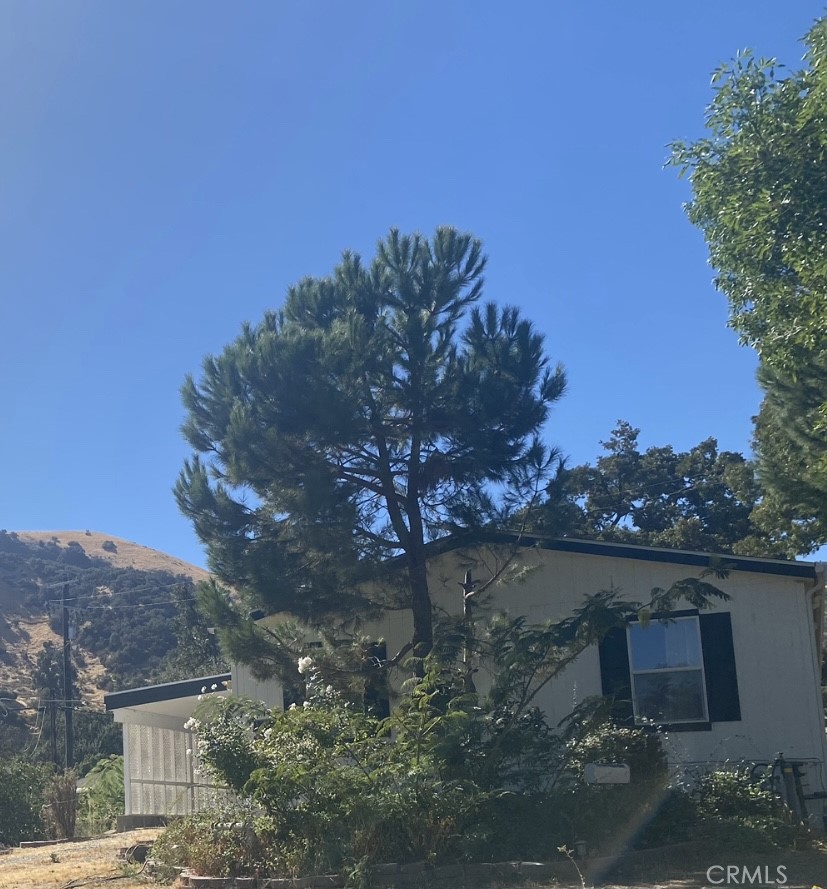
(223,730)
(448,776)
(339,791)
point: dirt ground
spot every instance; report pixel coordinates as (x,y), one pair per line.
(94,863)
(91,863)
(780,869)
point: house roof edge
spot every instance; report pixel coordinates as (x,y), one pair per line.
(167,691)
(724,561)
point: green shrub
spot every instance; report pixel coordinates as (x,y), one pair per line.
(675,819)
(226,842)
(448,776)
(103,797)
(21,798)
(737,811)
(444,778)
(224,730)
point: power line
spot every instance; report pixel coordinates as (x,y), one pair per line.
(118,605)
(140,589)
(39,733)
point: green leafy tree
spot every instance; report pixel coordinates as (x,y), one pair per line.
(48,670)
(21,799)
(197,652)
(96,735)
(759,182)
(14,730)
(380,408)
(702,499)
(48,679)
(790,443)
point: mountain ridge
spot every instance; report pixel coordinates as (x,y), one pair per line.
(119,589)
(127,555)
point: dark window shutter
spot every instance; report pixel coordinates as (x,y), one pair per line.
(719,666)
(614,674)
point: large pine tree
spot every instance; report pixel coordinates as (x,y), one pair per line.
(380,408)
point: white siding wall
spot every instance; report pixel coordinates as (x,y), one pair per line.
(247,686)
(773,636)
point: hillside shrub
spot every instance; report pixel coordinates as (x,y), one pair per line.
(75,555)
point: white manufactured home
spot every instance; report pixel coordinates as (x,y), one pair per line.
(740,682)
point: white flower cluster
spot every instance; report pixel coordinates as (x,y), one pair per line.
(205,691)
(290,749)
(305,665)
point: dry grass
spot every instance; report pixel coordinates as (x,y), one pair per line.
(90,860)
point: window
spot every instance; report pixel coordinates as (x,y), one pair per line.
(667,671)
(657,692)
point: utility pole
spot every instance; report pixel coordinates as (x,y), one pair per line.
(67,684)
(51,704)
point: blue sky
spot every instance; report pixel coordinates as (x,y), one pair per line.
(168,169)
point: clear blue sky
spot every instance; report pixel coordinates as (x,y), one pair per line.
(168,169)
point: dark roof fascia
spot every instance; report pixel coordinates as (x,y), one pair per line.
(168,691)
(724,561)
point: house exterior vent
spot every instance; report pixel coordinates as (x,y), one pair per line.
(607,773)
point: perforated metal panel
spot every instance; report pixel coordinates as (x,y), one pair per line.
(163,778)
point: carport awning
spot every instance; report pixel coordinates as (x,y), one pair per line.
(168,705)
(167,691)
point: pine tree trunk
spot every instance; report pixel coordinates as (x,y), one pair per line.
(423,636)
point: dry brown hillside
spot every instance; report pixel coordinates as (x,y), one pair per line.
(126,555)
(23,632)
